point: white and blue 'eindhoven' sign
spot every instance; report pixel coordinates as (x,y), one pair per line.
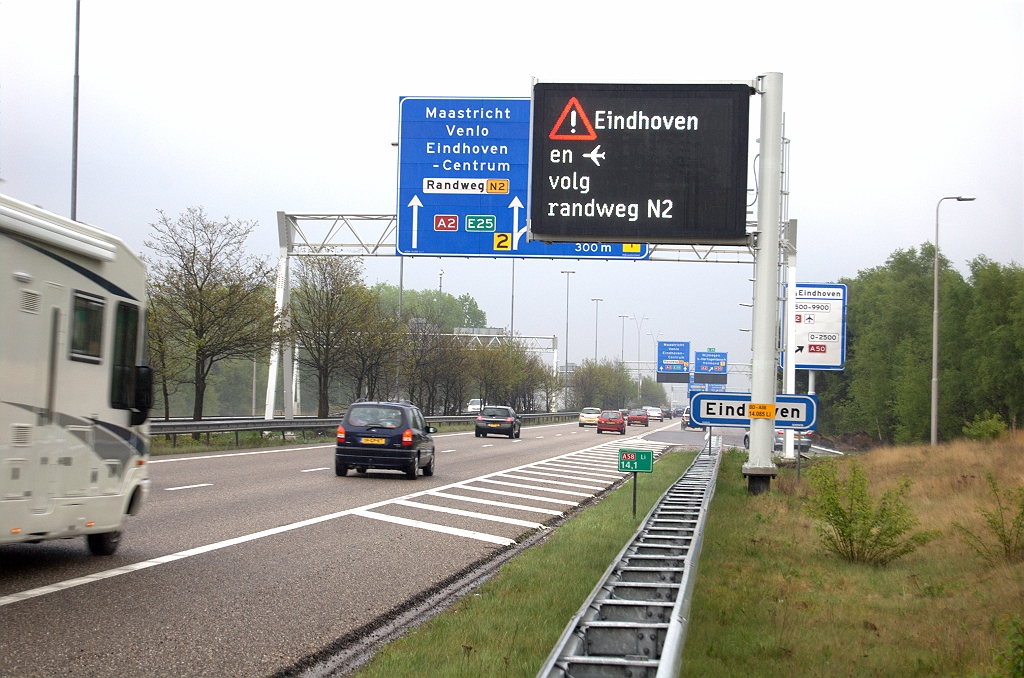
(674,356)
(730,410)
(463,176)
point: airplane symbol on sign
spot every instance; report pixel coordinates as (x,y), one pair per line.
(594,155)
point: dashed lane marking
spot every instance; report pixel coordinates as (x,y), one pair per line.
(310,470)
(188,487)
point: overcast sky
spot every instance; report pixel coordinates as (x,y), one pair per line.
(247,108)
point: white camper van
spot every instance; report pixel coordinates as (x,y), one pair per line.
(74,389)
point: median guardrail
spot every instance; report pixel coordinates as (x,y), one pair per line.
(301,425)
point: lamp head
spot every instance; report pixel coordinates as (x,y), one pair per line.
(965,198)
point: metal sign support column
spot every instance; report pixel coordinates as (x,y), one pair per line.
(789,378)
(759,469)
(282,298)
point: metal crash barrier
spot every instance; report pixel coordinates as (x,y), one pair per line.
(633,624)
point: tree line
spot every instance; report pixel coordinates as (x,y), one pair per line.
(885,390)
(212,313)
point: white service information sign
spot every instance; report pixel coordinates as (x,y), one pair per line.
(819,316)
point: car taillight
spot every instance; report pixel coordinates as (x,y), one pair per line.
(341,434)
(508,418)
(407,438)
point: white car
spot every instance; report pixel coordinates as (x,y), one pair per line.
(473,407)
(654,413)
(589,415)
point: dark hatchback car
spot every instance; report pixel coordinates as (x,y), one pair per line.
(503,420)
(384,435)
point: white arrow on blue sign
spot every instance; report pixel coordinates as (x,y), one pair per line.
(730,410)
(463,175)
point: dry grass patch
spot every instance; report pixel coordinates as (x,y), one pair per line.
(769,601)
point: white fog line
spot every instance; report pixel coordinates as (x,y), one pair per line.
(187,487)
(469,514)
(434,527)
(502,504)
(240,454)
(310,470)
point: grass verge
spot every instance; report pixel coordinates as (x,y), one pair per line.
(509,625)
(769,602)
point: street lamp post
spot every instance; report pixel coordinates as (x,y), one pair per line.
(597,303)
(935,320)
(440,298)
(565,394)
(622,340)
(639,324)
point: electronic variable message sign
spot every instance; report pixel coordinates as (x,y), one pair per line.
(463,167)
(639,163)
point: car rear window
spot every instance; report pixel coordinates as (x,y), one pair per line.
(639,413)
(377,416)
(611,415)
(495,412)
(591,410)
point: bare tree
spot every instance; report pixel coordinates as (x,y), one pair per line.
(219,300)
(168,358)
(372,344)
(325,308)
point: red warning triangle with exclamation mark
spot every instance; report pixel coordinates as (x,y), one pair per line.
(573,124)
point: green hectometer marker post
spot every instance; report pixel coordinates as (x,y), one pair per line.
(637,461)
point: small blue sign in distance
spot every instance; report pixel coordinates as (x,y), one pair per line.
(708,361)
(463,172)
(729,410)
(673,356)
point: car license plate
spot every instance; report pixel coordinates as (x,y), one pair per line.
(494,425)
(372,441)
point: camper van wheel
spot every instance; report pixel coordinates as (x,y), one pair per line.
(103,544)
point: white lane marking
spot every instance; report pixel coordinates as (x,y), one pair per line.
(516,441)
(433,527)
(540,436)
(569,476)
(187,487)
(488,502)
(216,546)
(469,514)
(574,432)
(443,451)
(310,470)
(570,466)
(531,487)
(239,454)
(487,445)
(517,494)
(595,488)
(579,473)
(557,434)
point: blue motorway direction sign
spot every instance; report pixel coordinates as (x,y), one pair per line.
(673,356)
(730,410)
(711,362)
(463,173)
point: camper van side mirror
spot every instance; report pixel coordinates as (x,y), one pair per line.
(143,394)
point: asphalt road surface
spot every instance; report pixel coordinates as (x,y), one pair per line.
(243,563)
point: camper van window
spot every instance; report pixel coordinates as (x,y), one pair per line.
(86,327)
(126,332)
